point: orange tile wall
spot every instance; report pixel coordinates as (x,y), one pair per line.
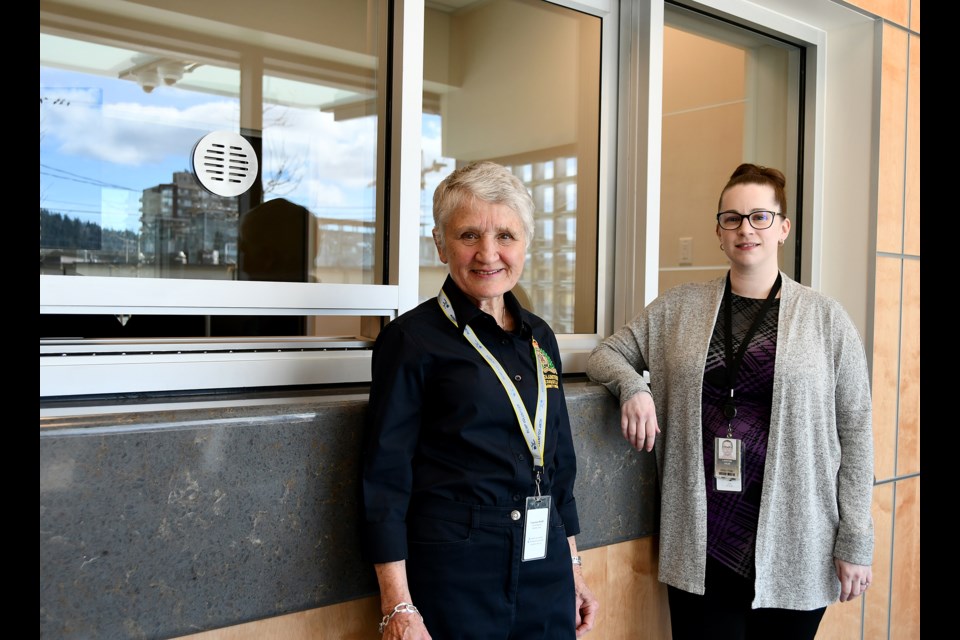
(892,606)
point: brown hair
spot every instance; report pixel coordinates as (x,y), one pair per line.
(748,173)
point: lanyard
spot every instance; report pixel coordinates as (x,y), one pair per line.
(733,361)
(532,432)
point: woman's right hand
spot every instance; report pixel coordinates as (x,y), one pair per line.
(406,626)
(638,421)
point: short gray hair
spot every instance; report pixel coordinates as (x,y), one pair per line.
(487,181)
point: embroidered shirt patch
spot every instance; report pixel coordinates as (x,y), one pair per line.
(550,376)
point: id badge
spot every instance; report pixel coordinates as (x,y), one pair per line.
(536,526)
(727,464)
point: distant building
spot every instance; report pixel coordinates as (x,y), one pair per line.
(182,216)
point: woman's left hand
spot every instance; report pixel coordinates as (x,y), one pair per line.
(854,578)
(587,605)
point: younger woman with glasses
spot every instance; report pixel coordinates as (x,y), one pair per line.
(759,535)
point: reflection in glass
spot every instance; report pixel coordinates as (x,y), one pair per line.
(319,152)
(119,121)
(120,116)
(517,82)
(116,195)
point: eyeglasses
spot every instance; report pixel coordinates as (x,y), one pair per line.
(731,220)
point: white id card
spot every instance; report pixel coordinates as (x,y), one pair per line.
(536,525)
(727,467)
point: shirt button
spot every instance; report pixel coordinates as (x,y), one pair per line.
(516,497)
(514,515)
(520,457)
(518,377)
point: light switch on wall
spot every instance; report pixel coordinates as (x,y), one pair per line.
(686,251)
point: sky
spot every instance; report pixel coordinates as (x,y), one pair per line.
(104,140)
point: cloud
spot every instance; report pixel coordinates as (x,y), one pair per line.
(132,134)
(327,164)
(344,152)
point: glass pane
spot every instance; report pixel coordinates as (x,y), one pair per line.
(116,194)
(518,82)
(730,95)
(122,110)
(320,160)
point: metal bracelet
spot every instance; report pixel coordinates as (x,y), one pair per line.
(577,560)
(403,607)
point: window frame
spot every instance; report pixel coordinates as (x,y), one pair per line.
(637,234)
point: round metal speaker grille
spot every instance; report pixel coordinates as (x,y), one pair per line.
(225,163)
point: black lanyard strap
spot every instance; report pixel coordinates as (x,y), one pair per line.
(733,361)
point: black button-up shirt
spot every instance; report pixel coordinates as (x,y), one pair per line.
(440,424)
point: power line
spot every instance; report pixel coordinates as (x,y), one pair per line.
(76,177)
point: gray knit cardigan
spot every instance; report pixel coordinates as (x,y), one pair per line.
(818,475)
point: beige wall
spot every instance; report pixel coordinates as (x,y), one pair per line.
(704,99)
(711,123)
(478,123)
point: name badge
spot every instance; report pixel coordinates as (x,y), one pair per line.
(536,526)
(727,464)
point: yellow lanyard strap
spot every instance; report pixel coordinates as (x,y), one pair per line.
(532,432)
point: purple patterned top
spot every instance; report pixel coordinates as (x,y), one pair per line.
(732,517)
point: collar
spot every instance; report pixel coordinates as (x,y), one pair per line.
(786,288)
(467,312)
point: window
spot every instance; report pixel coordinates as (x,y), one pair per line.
(520,85)
(149,282)
(357,132)
(120,121)
(730,95)
(839,159)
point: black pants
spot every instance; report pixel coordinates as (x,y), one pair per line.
(723,612)
(468,581)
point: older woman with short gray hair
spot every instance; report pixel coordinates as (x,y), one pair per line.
(469,465)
